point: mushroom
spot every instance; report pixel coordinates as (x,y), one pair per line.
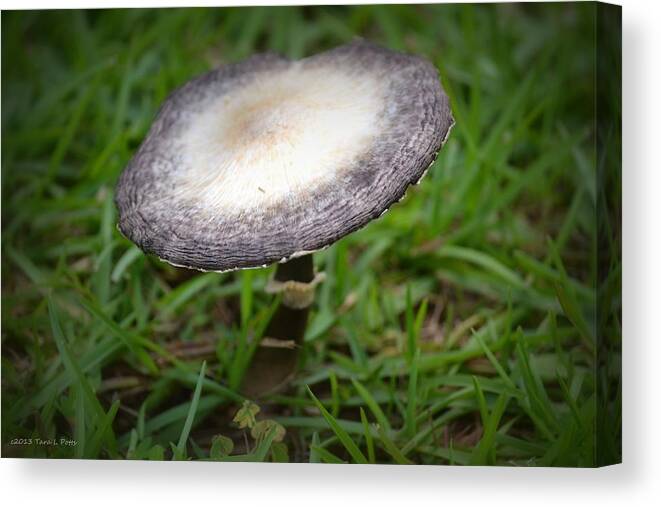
(268,160)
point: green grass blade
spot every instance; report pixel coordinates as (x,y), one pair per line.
(326,456)
(103,432)
(70,363)
(484,453)
(127,258)
(176,298)
(344,437)
(131,342)
(492,359)
(392,449)
(372,405)
(369,441)
(188,424)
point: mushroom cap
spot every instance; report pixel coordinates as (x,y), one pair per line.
(268,159)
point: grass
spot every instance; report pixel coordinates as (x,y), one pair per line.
(461,328)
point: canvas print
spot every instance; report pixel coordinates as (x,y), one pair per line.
(385,234)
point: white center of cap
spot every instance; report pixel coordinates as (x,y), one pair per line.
(280,136)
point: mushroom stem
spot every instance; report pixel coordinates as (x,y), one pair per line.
(299,269)
(275,360)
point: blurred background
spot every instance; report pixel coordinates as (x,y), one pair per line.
(461,328)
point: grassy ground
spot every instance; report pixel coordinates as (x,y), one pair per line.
(458,329)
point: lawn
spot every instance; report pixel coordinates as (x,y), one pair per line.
(460,328)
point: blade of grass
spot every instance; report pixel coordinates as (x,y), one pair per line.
(131,342)
(124,262)
(344,437)
(492,358)
(262,449)
(102,433)
(410,426)
(315,457)
(70,363)
(369,441)
(484,453)
(326,456)
(372,405)
(188,424)
(390,447)
(184,292)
